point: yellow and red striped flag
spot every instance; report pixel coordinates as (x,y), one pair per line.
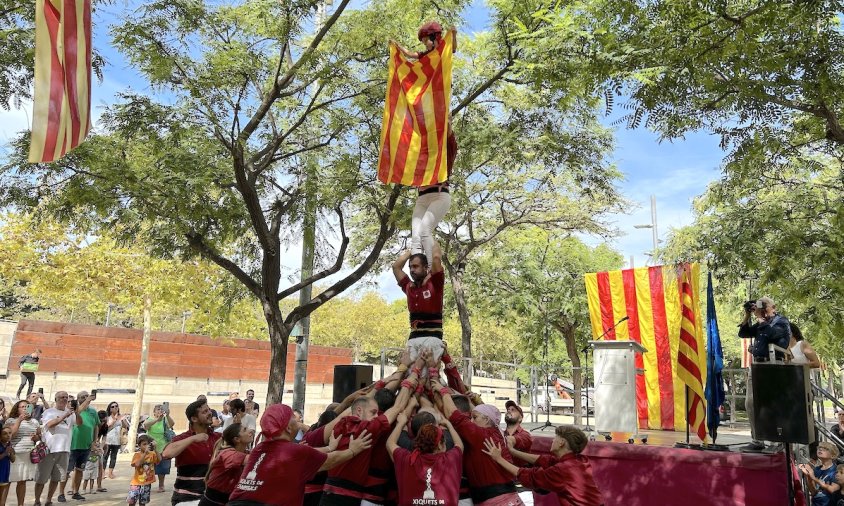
(415,125)
(62,99)
(654,299)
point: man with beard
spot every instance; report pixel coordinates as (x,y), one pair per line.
(514,434)
(424,291)
(192,450)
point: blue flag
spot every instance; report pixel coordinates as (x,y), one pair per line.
(714,365)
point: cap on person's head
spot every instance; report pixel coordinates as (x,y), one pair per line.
(513,404)
(275,420)
(838,411)
(428,29)
(490,412)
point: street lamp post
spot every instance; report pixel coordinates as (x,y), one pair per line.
(185,315)
(653,227)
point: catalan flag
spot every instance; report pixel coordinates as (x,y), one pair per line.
(661,303)
(414,130)
(62,102)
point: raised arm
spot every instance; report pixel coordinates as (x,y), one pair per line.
(355,447)
(437,261)
(393,440)
(398,265)
(445,393)
(454,435)
(407,54)
(175,448)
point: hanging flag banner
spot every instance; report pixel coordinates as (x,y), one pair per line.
(715,394)
(414,129)
(662,304)
(62,98)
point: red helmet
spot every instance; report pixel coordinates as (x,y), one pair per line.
(432,28)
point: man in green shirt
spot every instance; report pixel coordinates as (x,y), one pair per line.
(80,445)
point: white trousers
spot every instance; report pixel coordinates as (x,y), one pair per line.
(427,214)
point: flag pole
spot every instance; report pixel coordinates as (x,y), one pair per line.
(687,414)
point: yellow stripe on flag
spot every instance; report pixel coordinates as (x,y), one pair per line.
(619,307)
(646,331)
(594,304)
(673,316)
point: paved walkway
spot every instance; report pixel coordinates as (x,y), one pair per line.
(117,489)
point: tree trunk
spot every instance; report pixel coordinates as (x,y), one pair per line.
(568,332)
(459,290)
(279,337)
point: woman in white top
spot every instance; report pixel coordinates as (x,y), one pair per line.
(25,432)
(116,423)
(801,351)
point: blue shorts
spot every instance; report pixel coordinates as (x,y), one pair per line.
(163,467)
(138,494)
(77,460)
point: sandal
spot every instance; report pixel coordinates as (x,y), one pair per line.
(102,490)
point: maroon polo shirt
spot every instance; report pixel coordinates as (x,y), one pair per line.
(481,470)
(425,304)
(350,478)
(428,478)
(570,477)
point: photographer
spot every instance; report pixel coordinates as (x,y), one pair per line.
(769,328)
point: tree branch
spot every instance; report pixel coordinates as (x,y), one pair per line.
(198,244)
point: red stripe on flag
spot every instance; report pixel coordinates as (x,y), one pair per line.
(687,363)
(395,87)
(86,19)
(629,278)
(700,424)
(605,296)
(419,108)
(70,68)
(663,349)
(53,18)
(440,114)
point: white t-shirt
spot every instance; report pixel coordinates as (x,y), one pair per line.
(247,420)
(58,437)
(224,417)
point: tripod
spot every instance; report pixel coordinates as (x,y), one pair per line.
(547,395)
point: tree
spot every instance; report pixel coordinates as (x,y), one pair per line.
(246,109)
(536,277)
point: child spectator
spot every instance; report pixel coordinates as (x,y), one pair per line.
(143,462)
(92,468)
(7,456)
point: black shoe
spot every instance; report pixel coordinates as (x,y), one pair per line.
(78,497)
(61,498)
(754,446)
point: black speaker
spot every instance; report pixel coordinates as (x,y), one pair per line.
(782,403)
(349,378)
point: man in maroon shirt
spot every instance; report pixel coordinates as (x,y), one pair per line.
(567,473)
(347,483)
(489,484)
(515,435)
(192,450)
(276,470)
(424,291)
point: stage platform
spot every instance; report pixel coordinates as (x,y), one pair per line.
(659,474)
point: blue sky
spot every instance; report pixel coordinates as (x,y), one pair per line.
(675,172)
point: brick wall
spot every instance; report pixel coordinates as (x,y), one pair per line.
(93,349)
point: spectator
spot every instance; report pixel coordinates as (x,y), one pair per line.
(226,466)
(143,475)
(430,472)
(157,426)
(92,469)
(566,472)
(58,424)
(255,409)
(25,432)
(821,478)
(3,413)
(102,430)
(84,434)
(29,366)
(37,410)
(224,415)
(7,456)
(192,450)
(800,349)
(240,414)
(838,428)
(116,423)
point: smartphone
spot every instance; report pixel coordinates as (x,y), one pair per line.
(41,391)
(94,392)
(166,406)
(29,408)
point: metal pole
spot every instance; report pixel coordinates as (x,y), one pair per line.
(108,314)
(653,223)
(142,374)
(631,262)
